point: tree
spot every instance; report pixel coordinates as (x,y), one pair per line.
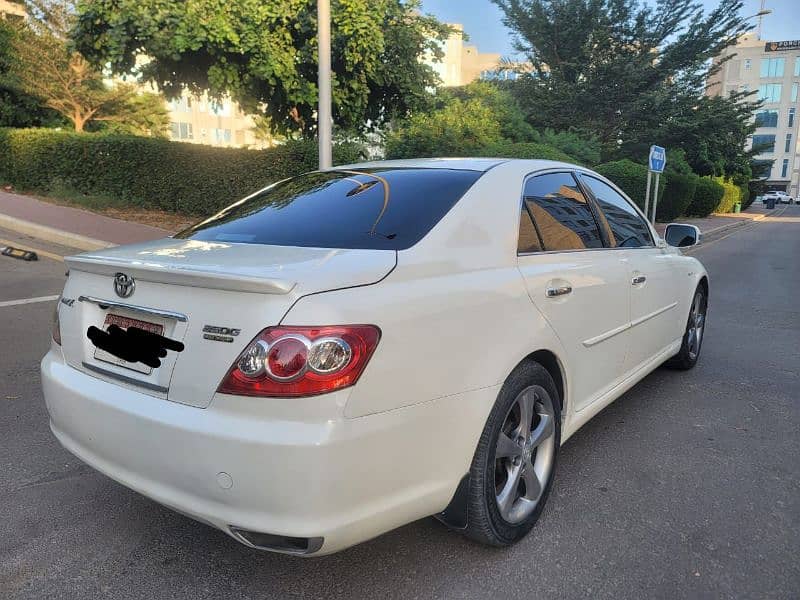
(628,72)
(458,128)
(17,108)
(66,82)
(264,54)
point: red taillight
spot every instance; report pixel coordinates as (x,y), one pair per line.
(287,362)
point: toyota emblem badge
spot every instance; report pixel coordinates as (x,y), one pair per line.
(124,285)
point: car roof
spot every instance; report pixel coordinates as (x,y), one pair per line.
(470,164)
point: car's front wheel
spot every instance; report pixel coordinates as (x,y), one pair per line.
(687,357)
(513,467)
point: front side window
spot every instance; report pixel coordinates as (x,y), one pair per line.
(561,213)
(770,92)
(381,209)
(772,67)
(785,167)
(626,227)
(764,143)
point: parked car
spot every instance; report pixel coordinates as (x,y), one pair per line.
(349,350)
(778,196)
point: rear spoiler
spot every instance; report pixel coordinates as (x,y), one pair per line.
(184,276)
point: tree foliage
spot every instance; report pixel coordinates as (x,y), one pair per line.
(264,54)
(633,74)
(17,108)
(48,69)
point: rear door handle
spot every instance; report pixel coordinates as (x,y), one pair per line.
(563,290)
(638,279)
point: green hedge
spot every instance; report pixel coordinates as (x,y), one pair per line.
(526,150)
(706,198)
(731,195)
(151,173)
(631,177)
(678,195)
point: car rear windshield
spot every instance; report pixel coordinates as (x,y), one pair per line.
(384,209)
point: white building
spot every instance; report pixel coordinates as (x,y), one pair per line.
(772,69)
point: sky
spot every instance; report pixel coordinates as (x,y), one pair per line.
(482,20)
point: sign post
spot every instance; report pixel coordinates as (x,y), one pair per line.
(324,109)
(658,160)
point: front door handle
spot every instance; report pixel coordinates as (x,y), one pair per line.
(553,292)
(639,279)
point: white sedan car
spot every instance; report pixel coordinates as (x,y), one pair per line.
(779,197)
(349,350)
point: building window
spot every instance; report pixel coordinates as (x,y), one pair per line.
(785,167)
(181,131)
(797,67)
(222,136)
(791,116)
(794,92)
(222,109)
(182,104)
(770,92)
(767,118)
(747,64)
(788,144)
(764,143)
(772,67)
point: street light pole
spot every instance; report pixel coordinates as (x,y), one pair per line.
(324,110)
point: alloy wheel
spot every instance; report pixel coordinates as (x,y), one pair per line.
(524,454)
(697,321)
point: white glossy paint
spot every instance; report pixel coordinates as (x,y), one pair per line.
(457,311)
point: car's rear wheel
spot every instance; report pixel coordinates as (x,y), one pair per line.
(513,467)
(687,357)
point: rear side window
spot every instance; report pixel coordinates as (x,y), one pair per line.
(626,228)
(387,209)
(561,213)
(528,238)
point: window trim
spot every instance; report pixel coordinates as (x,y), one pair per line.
(625,197)
(589,201)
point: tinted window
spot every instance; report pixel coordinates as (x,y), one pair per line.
(528,238)
(561,212)
(388,209)
(626,228)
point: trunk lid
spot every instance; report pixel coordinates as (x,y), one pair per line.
(182,287)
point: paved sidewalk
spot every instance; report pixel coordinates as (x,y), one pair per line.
(70,226)
(715,223)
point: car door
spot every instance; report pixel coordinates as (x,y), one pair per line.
(655,323)
(579,287)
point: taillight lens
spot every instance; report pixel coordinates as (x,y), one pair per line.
(288,362)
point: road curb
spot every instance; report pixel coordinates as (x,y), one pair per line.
(51,234)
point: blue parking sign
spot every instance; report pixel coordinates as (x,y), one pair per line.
(658,159)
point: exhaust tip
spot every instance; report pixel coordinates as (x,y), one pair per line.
(277,543)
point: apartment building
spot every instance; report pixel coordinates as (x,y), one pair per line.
(12,9)
(213,123)
(461,63)
(772,69)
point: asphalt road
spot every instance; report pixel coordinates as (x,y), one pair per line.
(686,487)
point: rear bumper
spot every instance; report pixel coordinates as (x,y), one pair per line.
(252,464)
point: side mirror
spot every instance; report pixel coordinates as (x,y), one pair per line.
(681,235)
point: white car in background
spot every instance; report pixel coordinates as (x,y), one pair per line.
(778,196)
(349,350)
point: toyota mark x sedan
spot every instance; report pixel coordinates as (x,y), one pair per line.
(349,350)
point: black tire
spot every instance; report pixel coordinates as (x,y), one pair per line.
(689,353)
(485,523)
